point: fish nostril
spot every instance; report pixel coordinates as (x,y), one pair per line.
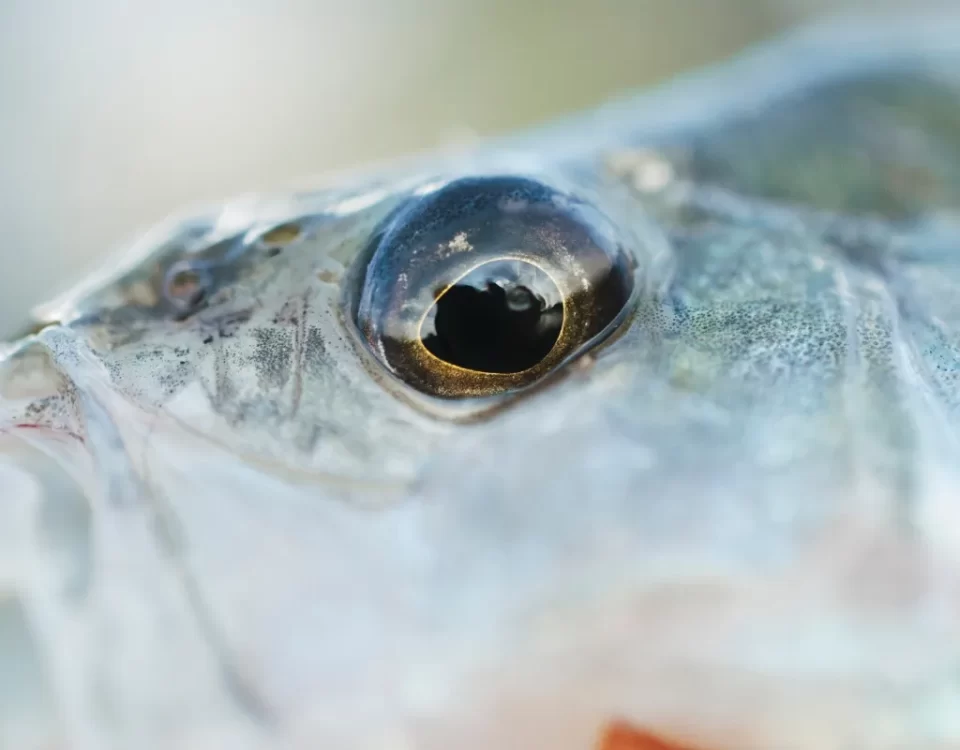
(186,285)
(280,236)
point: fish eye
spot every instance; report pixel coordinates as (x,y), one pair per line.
(489,284)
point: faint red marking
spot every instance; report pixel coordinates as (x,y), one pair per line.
(47,428)
(619,735)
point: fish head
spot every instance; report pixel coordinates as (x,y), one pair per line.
(728,514)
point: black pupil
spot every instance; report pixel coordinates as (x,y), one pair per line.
(504,317)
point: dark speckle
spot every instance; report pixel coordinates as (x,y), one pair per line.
(316,350)
(273,356)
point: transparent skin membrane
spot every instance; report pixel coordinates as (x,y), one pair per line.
(735,524)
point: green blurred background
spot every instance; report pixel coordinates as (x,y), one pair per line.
(118,112)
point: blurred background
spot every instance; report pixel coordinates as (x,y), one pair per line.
(117,112)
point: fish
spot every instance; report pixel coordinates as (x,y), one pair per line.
(634,430)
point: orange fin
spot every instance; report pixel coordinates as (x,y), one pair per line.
(619,735)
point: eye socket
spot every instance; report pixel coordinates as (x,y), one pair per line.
(489,284)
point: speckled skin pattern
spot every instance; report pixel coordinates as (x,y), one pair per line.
(735,523)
